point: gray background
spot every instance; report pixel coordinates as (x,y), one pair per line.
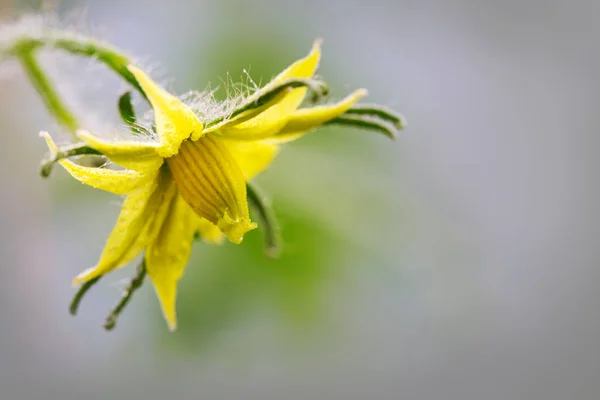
(464,258)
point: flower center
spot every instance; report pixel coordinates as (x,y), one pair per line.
(210,181)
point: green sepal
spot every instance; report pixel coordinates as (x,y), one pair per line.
(83,289)
(364,123)
(379,112)
(267,221)
(134,284)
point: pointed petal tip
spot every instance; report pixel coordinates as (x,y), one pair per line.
(167,294)
(317,44)
(401,124)
(49,142)
(78,280)
(315,51)
(360,93)
(85,276)
(154,92)
(172,325)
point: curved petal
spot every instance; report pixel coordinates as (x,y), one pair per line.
(141,217)
(211,182)
(168,255)
(132,154)
(275,117)
(117,182)
(254,156)
(175,122)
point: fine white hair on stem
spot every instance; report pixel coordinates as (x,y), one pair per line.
(69,74)
(76,89)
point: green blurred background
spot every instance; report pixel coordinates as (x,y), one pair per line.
(459,262)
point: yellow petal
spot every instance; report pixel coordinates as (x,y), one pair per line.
(268,122)
(253,157)
(305,67)
(49,141)
(175,122)
(208,231)
(306,119)
(167,256)
(139,155)
(141,217)
(117,182)
(211,182)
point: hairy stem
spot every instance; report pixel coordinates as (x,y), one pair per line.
(47,92)
(113,58)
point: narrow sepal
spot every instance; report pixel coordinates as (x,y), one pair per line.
(62,152)
(377,111)
(134,284)
(83,289)
(366,123)
(267,220)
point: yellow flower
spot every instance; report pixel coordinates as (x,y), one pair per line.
(192,178)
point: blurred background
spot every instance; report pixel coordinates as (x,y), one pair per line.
(459,262)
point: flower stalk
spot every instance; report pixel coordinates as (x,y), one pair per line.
(45,89)
(78,45)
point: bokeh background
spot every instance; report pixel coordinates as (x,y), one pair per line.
(459,262)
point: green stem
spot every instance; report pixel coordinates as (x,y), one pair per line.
(45,89)
(112,57)
(134,284)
